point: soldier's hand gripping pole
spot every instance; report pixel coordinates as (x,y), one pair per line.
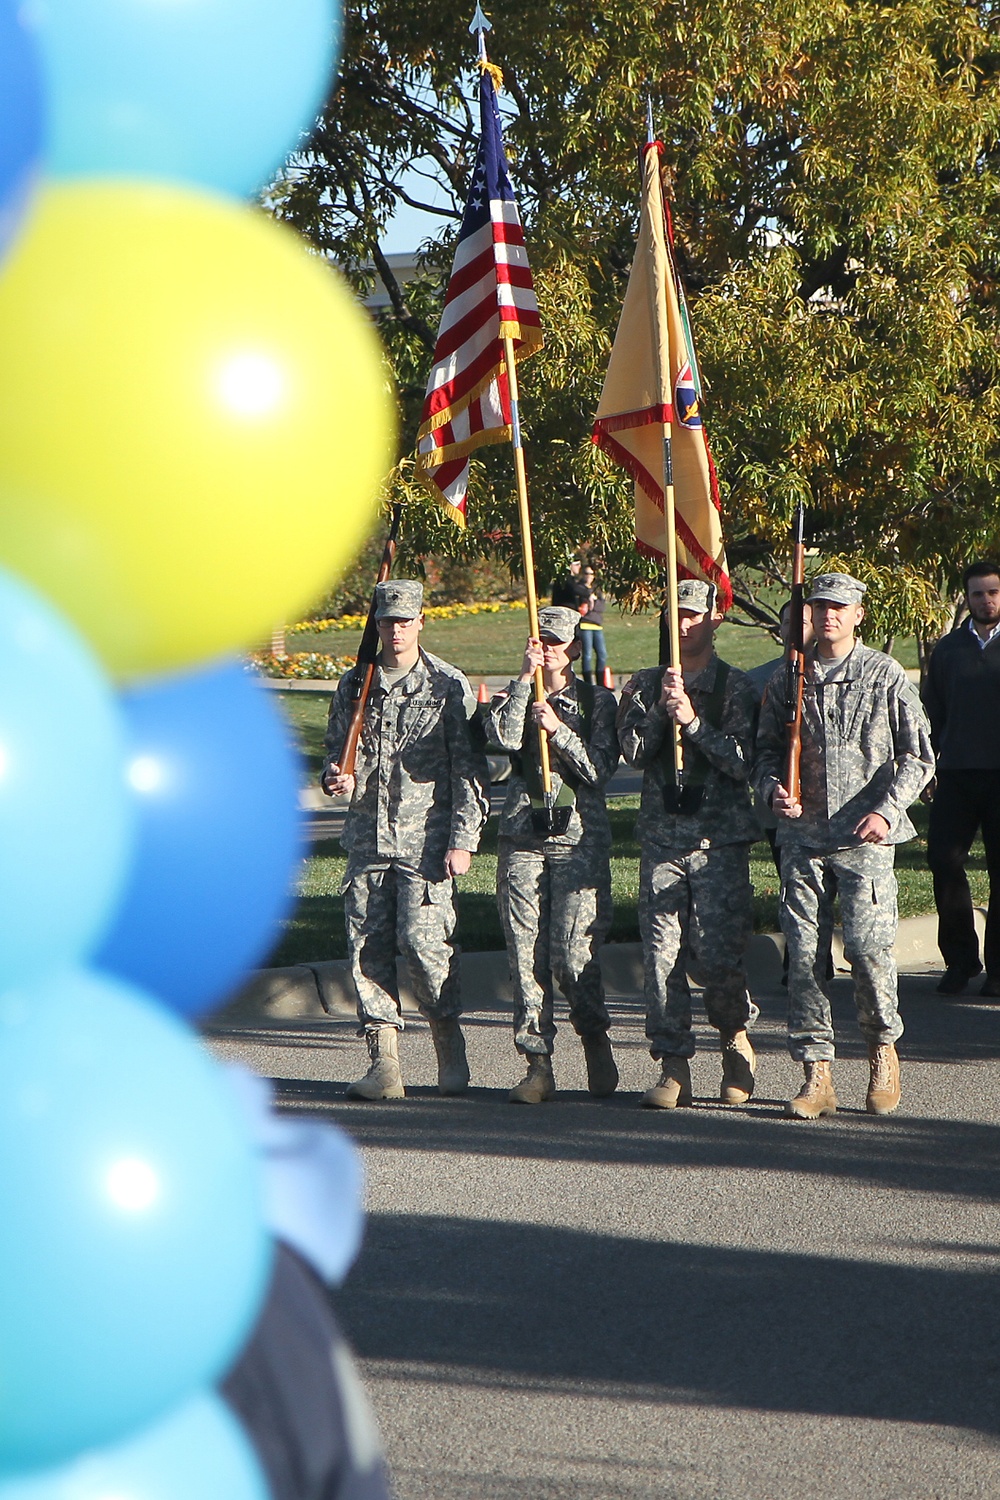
(527,553)
(795,659)
(367,652)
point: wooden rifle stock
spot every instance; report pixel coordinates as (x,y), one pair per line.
(367,652)
(795,661)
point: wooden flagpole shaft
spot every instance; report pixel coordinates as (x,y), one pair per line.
(527,551)
(673,613)
(662,332)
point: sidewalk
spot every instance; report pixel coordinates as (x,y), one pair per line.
(312,991)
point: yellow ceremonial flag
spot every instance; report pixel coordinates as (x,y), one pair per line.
(650,388)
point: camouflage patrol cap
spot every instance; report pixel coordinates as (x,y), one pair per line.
(837,588)
(399,599)
(695,595)
(558,622)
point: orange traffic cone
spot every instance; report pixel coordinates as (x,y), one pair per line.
(609,678)
(483,696)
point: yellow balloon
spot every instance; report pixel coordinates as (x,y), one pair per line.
(194,419)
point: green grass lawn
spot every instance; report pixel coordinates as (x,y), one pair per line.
(492,645)
(316,930)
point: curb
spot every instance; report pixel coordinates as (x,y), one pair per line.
(312,992)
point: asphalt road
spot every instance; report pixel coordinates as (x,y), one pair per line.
(587,1301)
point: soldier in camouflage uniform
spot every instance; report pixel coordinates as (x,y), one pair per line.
(694,880)
(419,800)
(554,885)
(866,754)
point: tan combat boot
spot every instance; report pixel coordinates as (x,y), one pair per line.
(816,1096)
(538,1085)
(383,1079)
(739,1063)
(449,1044)
(602,1070)
(674,1088)
(883,1088)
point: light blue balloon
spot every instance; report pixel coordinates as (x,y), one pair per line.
(216,92)
(21,116)
(66,816)
(199,1452)
(133,1256)
(213,874)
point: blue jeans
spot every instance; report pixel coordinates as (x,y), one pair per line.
(593,642)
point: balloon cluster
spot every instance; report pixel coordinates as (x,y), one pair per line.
(194,419)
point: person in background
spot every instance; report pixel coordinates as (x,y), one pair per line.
(695,901)
(554,883)
(595,651)
(569,589)
(419,801)
(295,1387)
(761,677)
(962,698)
(866,755)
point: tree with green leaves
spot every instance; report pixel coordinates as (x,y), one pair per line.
(834,169)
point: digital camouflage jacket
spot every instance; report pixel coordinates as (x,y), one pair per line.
(585,760)
(422,787)
(726,813)
(866,748)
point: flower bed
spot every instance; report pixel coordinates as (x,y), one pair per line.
(299,664)
(432,612)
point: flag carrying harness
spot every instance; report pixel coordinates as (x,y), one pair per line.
(552,822)
(687,799)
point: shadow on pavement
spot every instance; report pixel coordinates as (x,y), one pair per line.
(953,1158)
(524,1306)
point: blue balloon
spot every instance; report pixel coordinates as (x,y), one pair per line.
(133,1255)
(21,117)
(215,783)
(199,1452)
(65,813)
(210,91)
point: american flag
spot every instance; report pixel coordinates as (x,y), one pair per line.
(490,295)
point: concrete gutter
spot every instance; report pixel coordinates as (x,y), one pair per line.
(324,989)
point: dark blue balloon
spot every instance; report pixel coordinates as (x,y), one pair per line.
(215,782)
(21,117)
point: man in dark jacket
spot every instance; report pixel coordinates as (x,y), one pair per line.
(962,697)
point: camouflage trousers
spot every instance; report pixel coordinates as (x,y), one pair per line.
(556,912)
(695,915)
(388,909)
(864,880)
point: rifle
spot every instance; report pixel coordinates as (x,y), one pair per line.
(366,655)
(795,658)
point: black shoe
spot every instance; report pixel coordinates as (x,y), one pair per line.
(955,980)
(991,987)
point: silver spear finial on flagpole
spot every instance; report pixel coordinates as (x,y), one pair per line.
(650,132)
(481,25)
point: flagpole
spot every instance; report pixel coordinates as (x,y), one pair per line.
(669,514)
(480,26)
(527,553)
